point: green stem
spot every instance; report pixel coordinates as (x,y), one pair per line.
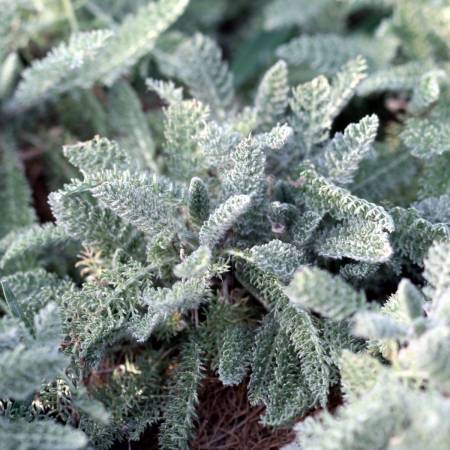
(70,14)
(100,15)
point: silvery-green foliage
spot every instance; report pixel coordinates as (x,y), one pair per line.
(195,264)
(301,329)
(345,83)
(277,257)
(98,154)
(406,305)
(321,14)
(437,276)
(11,10)
(184,123)
(403,77)
(371,421)
(435,209)
(317,362)
(31,245)
(360,241)
(371,325)
(358,272)
(182,399)
(198,200)
(427,92)
(134,38)
(131,125)
(183,296)
(272,96)
(426,138)
(414,345)
(142,201)
(39,436)
(166,90)
(30,358)
(284,394)
(315,289)
(81,217)
(15,195)
(200,66)
(235,355)
(63,69)
(316,104)
(310,106)
(97,56)
(324,196)
(34,289)
(326,53)
(35,359)
(346,150)
(359,372)
(414,234)
(240,202)
(246,172)
(223,218)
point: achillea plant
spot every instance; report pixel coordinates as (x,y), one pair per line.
(209,217)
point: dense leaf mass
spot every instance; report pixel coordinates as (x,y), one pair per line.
(256,190)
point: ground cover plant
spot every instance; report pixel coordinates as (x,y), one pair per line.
(210,203)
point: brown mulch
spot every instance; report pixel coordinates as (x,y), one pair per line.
(226,421)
